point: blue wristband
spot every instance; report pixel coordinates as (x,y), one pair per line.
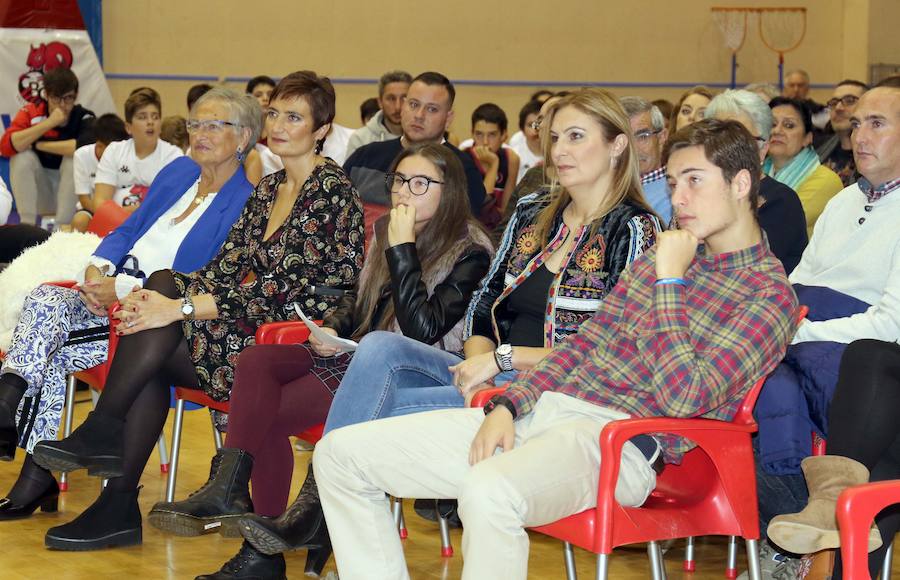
(667,281)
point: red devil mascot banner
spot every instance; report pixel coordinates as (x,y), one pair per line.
(37,36)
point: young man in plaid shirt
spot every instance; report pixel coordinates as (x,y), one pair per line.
(686,331)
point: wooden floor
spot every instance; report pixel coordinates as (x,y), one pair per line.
(23,556)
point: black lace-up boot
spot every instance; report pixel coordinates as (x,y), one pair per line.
(217,505)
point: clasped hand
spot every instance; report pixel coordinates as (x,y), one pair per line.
(146,309)
(98,294)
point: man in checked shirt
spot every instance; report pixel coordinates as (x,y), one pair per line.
(689,327)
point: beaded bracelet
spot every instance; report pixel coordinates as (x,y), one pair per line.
(667,281)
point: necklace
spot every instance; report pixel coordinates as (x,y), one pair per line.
(198,199)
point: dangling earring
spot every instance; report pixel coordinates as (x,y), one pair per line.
(239,155)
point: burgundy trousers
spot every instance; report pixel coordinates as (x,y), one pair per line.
(274,396)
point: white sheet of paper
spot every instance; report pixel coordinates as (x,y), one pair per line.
(342,344)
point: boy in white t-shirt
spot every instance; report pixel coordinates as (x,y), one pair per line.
(108,129)
(528,148)
(127,168)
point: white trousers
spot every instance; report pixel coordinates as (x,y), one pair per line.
(551,473)
(41,191)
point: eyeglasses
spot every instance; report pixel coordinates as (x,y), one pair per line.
(67,99)
(536,124)
(846,100)
(214,126)
(646,134)
(417,184)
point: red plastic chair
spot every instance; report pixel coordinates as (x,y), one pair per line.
(712,492)
(107,217)
(856,509)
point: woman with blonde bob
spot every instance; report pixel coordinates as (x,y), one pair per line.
(561,254)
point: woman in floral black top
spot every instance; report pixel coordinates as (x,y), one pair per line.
(299,240)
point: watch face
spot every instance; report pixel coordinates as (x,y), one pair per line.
(187,308)
(504,349)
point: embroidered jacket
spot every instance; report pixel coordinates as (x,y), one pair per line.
(587,275)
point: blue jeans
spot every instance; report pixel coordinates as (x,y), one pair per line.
(392,375)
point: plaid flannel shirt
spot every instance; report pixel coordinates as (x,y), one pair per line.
(873,193)
(674,351)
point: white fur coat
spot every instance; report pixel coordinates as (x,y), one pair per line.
(64,256)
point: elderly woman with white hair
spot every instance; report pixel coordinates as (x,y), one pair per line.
(188,211)
(780,212)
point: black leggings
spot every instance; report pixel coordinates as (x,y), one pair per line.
(137,389)
(864,423)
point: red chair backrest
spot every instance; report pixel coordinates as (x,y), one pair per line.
(107,217)
(371,213)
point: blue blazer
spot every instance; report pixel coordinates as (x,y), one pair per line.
(205,238)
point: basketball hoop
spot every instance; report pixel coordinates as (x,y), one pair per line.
(733,26)
(780,29)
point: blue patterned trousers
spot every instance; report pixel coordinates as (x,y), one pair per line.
(39,355)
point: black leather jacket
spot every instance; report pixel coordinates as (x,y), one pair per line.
(420,316)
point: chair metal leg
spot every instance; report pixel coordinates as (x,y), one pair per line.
(404,533)
(217,437)
(731,569)
(176,446)
(753,560)
(569,555)
(657,566)
(446,546)
(397,510)
(888,561)
(689,564)
(163,454)
(602,566)
(67,424)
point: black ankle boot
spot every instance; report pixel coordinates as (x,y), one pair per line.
(113,520)
(36,487)
(302,525)
(249,564)
(95,445)
(12,388)
(217,505)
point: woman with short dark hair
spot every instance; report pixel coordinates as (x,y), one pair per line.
(793,161)
(298,242)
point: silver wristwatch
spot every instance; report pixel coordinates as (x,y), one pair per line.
(187,308)
(503,356)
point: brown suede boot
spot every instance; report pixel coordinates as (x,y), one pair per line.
(815,528)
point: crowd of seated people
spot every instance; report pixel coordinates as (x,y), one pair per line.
(681,236)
